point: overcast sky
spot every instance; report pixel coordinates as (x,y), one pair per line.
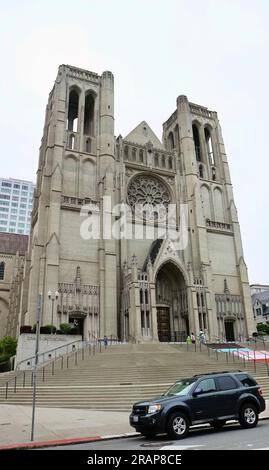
(213,51)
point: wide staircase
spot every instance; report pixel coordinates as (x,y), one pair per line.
(119,375)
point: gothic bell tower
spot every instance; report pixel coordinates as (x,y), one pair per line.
(76,167)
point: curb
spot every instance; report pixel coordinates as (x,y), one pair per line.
(62,442)
(78,440)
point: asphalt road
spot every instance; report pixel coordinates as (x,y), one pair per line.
(231,437)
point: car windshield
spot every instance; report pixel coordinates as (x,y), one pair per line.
(180,388)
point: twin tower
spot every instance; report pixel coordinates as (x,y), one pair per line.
(137,287)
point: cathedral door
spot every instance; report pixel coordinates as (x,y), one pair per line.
(163,319)
(229,330)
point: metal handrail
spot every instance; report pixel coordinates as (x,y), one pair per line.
(42,367)
(49,351)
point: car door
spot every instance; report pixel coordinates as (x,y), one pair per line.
(226,395)
(203,403)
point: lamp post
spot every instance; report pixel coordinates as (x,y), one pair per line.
(52,297)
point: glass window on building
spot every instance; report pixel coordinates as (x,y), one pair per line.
(12,224)
(14,211)
(24,193)
(23,199)
(6,190)
(4,209)
(12,230)
(23,206)
(3,229)
(4,216)
(14,204)
(3,196)
(24,187)
(21,218)
(15,198)
(16,186)
(4,203)
(21,225)
(16,191)
(3,222)
(13,217)
(6,184)
(20,231)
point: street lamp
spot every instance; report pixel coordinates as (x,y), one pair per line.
(52,297)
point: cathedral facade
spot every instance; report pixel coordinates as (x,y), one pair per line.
(141,287)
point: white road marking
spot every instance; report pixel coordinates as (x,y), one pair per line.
(182,447)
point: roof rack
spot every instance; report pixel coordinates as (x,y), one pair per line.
(220,372)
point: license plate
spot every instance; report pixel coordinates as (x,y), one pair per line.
(135,419)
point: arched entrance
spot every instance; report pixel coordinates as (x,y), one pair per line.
(229,329)
(77,319)
(171,303)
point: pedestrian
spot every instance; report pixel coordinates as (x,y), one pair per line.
(188,340)
(105,341)
(193,338)
(202,336)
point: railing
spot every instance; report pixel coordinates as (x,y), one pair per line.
(26,377)
(131,339)
(42,356)
(232,355)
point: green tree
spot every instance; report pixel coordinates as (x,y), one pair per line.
(8,346)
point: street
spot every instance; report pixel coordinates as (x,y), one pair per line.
(231,437)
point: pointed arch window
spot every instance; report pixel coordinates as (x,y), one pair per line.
(156,159)
(2,271)
(197,145)
(170,163)
(201,171)
(72,119)
(213,173)
(126,152)
(141,156)
(209,146)
(89,115)
(163,161)
(134,154)
(171,141)
(88,145)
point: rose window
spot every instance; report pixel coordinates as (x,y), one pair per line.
(148,198)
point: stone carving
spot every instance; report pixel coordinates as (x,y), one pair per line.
(148,197)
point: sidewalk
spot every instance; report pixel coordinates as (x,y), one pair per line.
(58,424)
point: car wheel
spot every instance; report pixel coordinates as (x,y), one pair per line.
(148,435)
(248,416)
(217,425)
(178,425)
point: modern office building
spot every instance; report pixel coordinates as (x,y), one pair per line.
(16,198)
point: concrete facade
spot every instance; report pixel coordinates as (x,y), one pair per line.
(137,287)
(12,259)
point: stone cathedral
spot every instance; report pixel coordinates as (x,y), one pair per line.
(135,288)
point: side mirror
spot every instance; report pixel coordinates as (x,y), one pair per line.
(197,392)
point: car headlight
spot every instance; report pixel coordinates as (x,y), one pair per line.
(154,408)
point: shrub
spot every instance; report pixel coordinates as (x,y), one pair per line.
(263,327)
(25,329)
(8,345)
(65,328)
(46,329)
(4,358)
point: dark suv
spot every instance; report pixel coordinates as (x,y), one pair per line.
(207,398)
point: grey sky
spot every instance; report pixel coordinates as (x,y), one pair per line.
(215,52)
